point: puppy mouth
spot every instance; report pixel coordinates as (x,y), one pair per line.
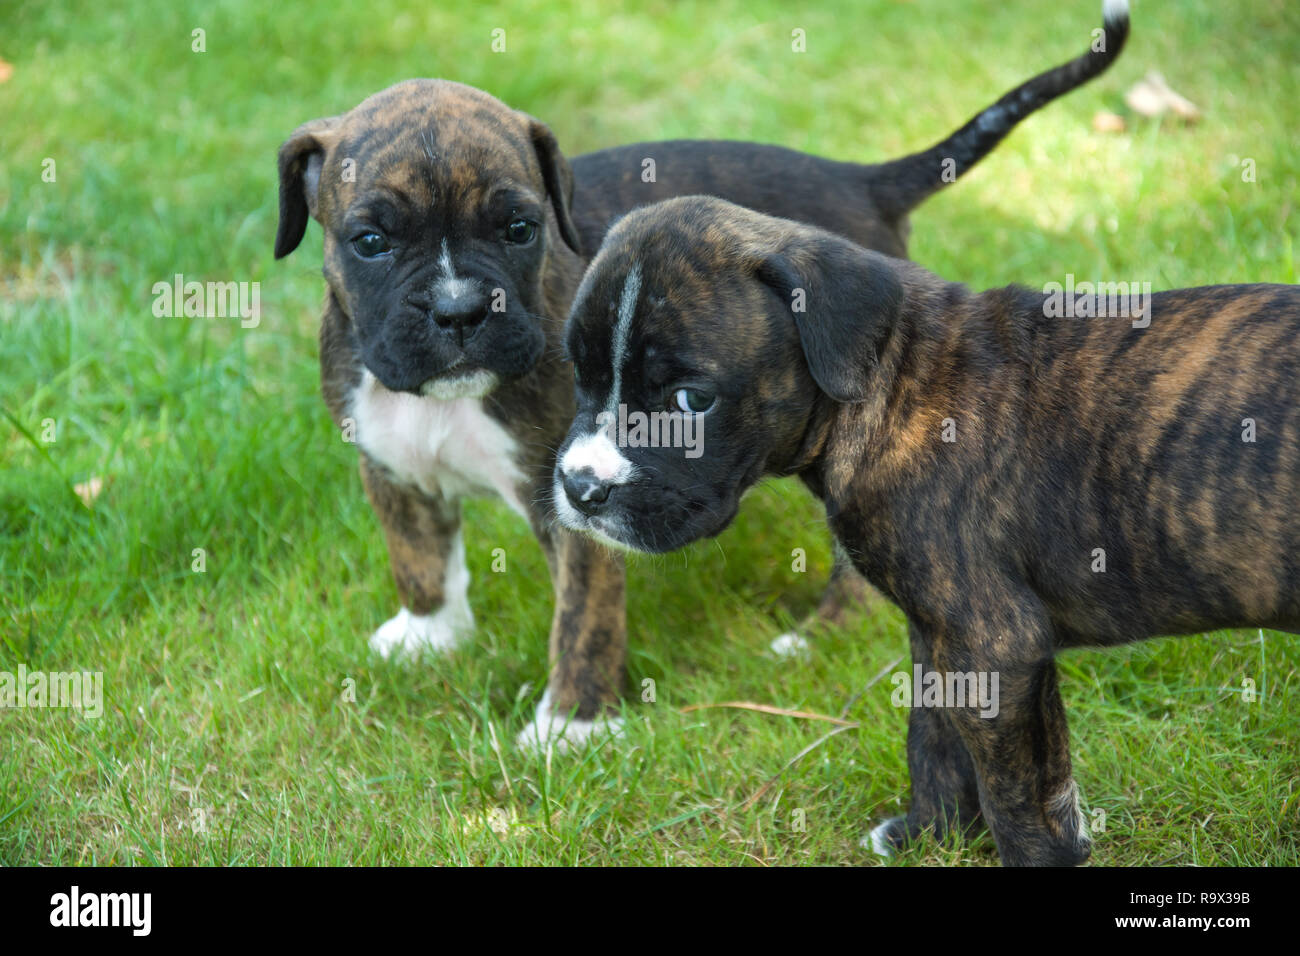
(457,380)
(608,532)
(620,534)
(463,383)
(593,531)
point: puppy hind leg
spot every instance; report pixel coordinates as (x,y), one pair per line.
(426,552)
(1061,807)
(847,594)
(1022,759)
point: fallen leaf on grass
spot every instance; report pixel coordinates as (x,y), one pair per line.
(1104,122)
(768,709)
(88,491)
(1152,96)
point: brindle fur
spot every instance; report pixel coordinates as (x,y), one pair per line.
(1072,434)
(445,147)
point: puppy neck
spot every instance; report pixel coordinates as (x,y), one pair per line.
(943,336)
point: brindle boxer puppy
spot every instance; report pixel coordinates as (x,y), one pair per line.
(454,230)
(1017,483)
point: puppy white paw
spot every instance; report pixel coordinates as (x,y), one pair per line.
(877,841)
(561,732)
(790,645)
(409,634)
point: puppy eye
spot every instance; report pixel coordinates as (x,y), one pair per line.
(521,231)
(692,401)
(370,245)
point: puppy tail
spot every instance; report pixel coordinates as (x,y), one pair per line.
(903,184)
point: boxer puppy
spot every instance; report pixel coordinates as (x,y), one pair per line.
(1020,471)
(454,235)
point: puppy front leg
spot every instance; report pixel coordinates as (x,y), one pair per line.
(427,554)
(945,791)
(588,645)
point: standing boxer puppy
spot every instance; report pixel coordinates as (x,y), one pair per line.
(1016,481)
(454,230)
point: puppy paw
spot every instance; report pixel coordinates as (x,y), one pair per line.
(885,839)
(562,732)
(408,634)
(790,645)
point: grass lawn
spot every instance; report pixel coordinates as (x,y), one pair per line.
(227,735)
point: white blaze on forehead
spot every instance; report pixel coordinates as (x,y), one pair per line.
(595,452)
(622,332)
(448,283)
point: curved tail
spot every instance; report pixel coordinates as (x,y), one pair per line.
(903,184)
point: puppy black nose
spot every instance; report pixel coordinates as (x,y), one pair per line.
(460,315)
(585,491)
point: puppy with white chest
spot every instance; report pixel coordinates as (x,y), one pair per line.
(976,454)
(455,233)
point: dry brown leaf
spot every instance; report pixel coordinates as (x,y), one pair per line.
(769,709)
(6,71)
(88,491)
(1152,96)
(1105,122)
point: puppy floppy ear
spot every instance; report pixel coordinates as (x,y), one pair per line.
(558,177)
(844,300)
(301,156)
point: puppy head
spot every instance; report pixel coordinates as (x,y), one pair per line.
(705,337)
(440,206)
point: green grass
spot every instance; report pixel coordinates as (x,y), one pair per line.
(224,688)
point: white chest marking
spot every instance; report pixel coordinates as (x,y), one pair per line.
(446,447)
